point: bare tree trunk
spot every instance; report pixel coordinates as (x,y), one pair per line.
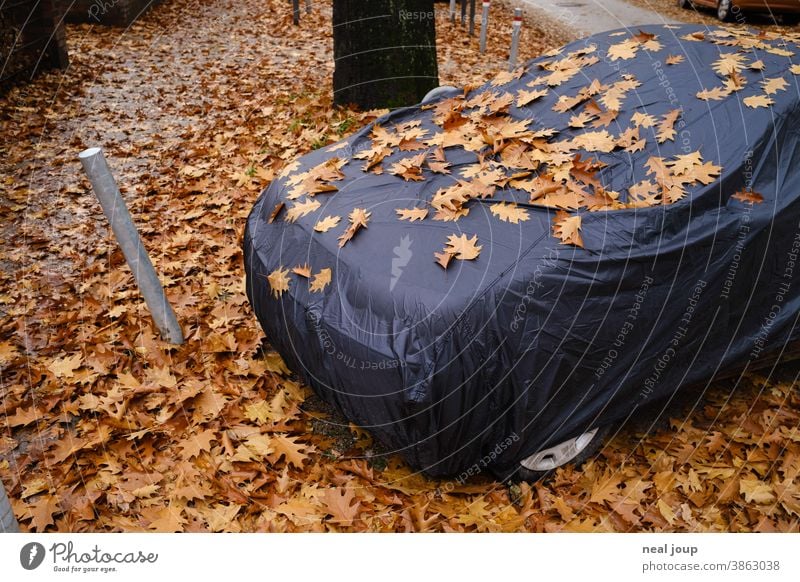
(384,52)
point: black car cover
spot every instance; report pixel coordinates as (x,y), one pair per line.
(478,365)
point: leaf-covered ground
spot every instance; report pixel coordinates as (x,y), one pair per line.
(105,428)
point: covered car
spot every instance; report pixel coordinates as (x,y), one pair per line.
(480,277)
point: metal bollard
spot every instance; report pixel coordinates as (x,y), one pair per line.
(8,523)
(296,11)
(516,26)
(484,24)
(472,17)
(308,6)
(107,192)
(452,11)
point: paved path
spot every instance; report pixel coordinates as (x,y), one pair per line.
(592,16)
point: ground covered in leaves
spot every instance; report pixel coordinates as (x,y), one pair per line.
(105,428)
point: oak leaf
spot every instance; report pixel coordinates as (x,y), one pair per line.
(339,502)
(327,223)
(359,218)
(748,195)
(462,247)
(509,212)
(566,227)
(278,281)
(756,101)
(321,280)
(412,214)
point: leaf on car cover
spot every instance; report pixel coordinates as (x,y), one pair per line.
(327,223)
(749,196)
(756,101)
(359,218)
(411,214)
(566,228)
(321,280)
(509,212)
(278,281)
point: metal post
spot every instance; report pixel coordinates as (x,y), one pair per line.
(8,523)
(308,6)
(472,17)
(452,11)
(512,58)
(484,24)
(463,13)
(296,11)
(107,192)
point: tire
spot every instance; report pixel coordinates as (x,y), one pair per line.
(685,4)
(724,12)
(586,452)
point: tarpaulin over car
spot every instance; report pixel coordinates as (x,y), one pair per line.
(688,264)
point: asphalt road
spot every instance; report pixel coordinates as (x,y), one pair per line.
(592,16)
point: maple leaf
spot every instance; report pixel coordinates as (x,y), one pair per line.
(278,281)
(509,212)
(412,214)
(462,247)
(566,227)
(327,223)
(339,502)
(757,101)
(302,270)
(65,367)
(300,209)
(674,59)
(772,86)
(321,280)
(749,196)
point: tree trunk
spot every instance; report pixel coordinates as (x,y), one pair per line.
(384,52)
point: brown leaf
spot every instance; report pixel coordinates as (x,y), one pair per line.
(339,502)
(748,195)
(327,223)
(321,280)
(566,227)
(359,218)
(278,281)
(509,212)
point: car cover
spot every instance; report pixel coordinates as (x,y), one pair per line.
(549,313)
